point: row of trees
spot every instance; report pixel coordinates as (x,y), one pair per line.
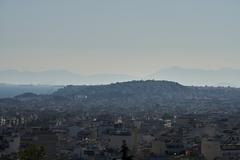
(34,152)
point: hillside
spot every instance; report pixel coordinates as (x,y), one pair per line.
(139,93)
(134,94)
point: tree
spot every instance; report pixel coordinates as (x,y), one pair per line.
(167,116)
(124,151)
(32,152)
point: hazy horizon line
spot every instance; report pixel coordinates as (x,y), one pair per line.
(112,73)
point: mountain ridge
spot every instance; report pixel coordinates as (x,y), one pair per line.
(133,94)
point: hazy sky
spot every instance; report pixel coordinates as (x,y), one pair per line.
(119,36)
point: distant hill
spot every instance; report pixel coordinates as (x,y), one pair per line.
(134,94)
(139,93)
(9,90)
(148,88)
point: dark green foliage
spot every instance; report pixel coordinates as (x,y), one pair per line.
(167,116)
(32,152)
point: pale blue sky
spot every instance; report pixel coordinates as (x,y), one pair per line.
(134,37)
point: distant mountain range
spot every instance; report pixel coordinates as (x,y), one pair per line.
(195,77)
(59,77)
(13,82)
